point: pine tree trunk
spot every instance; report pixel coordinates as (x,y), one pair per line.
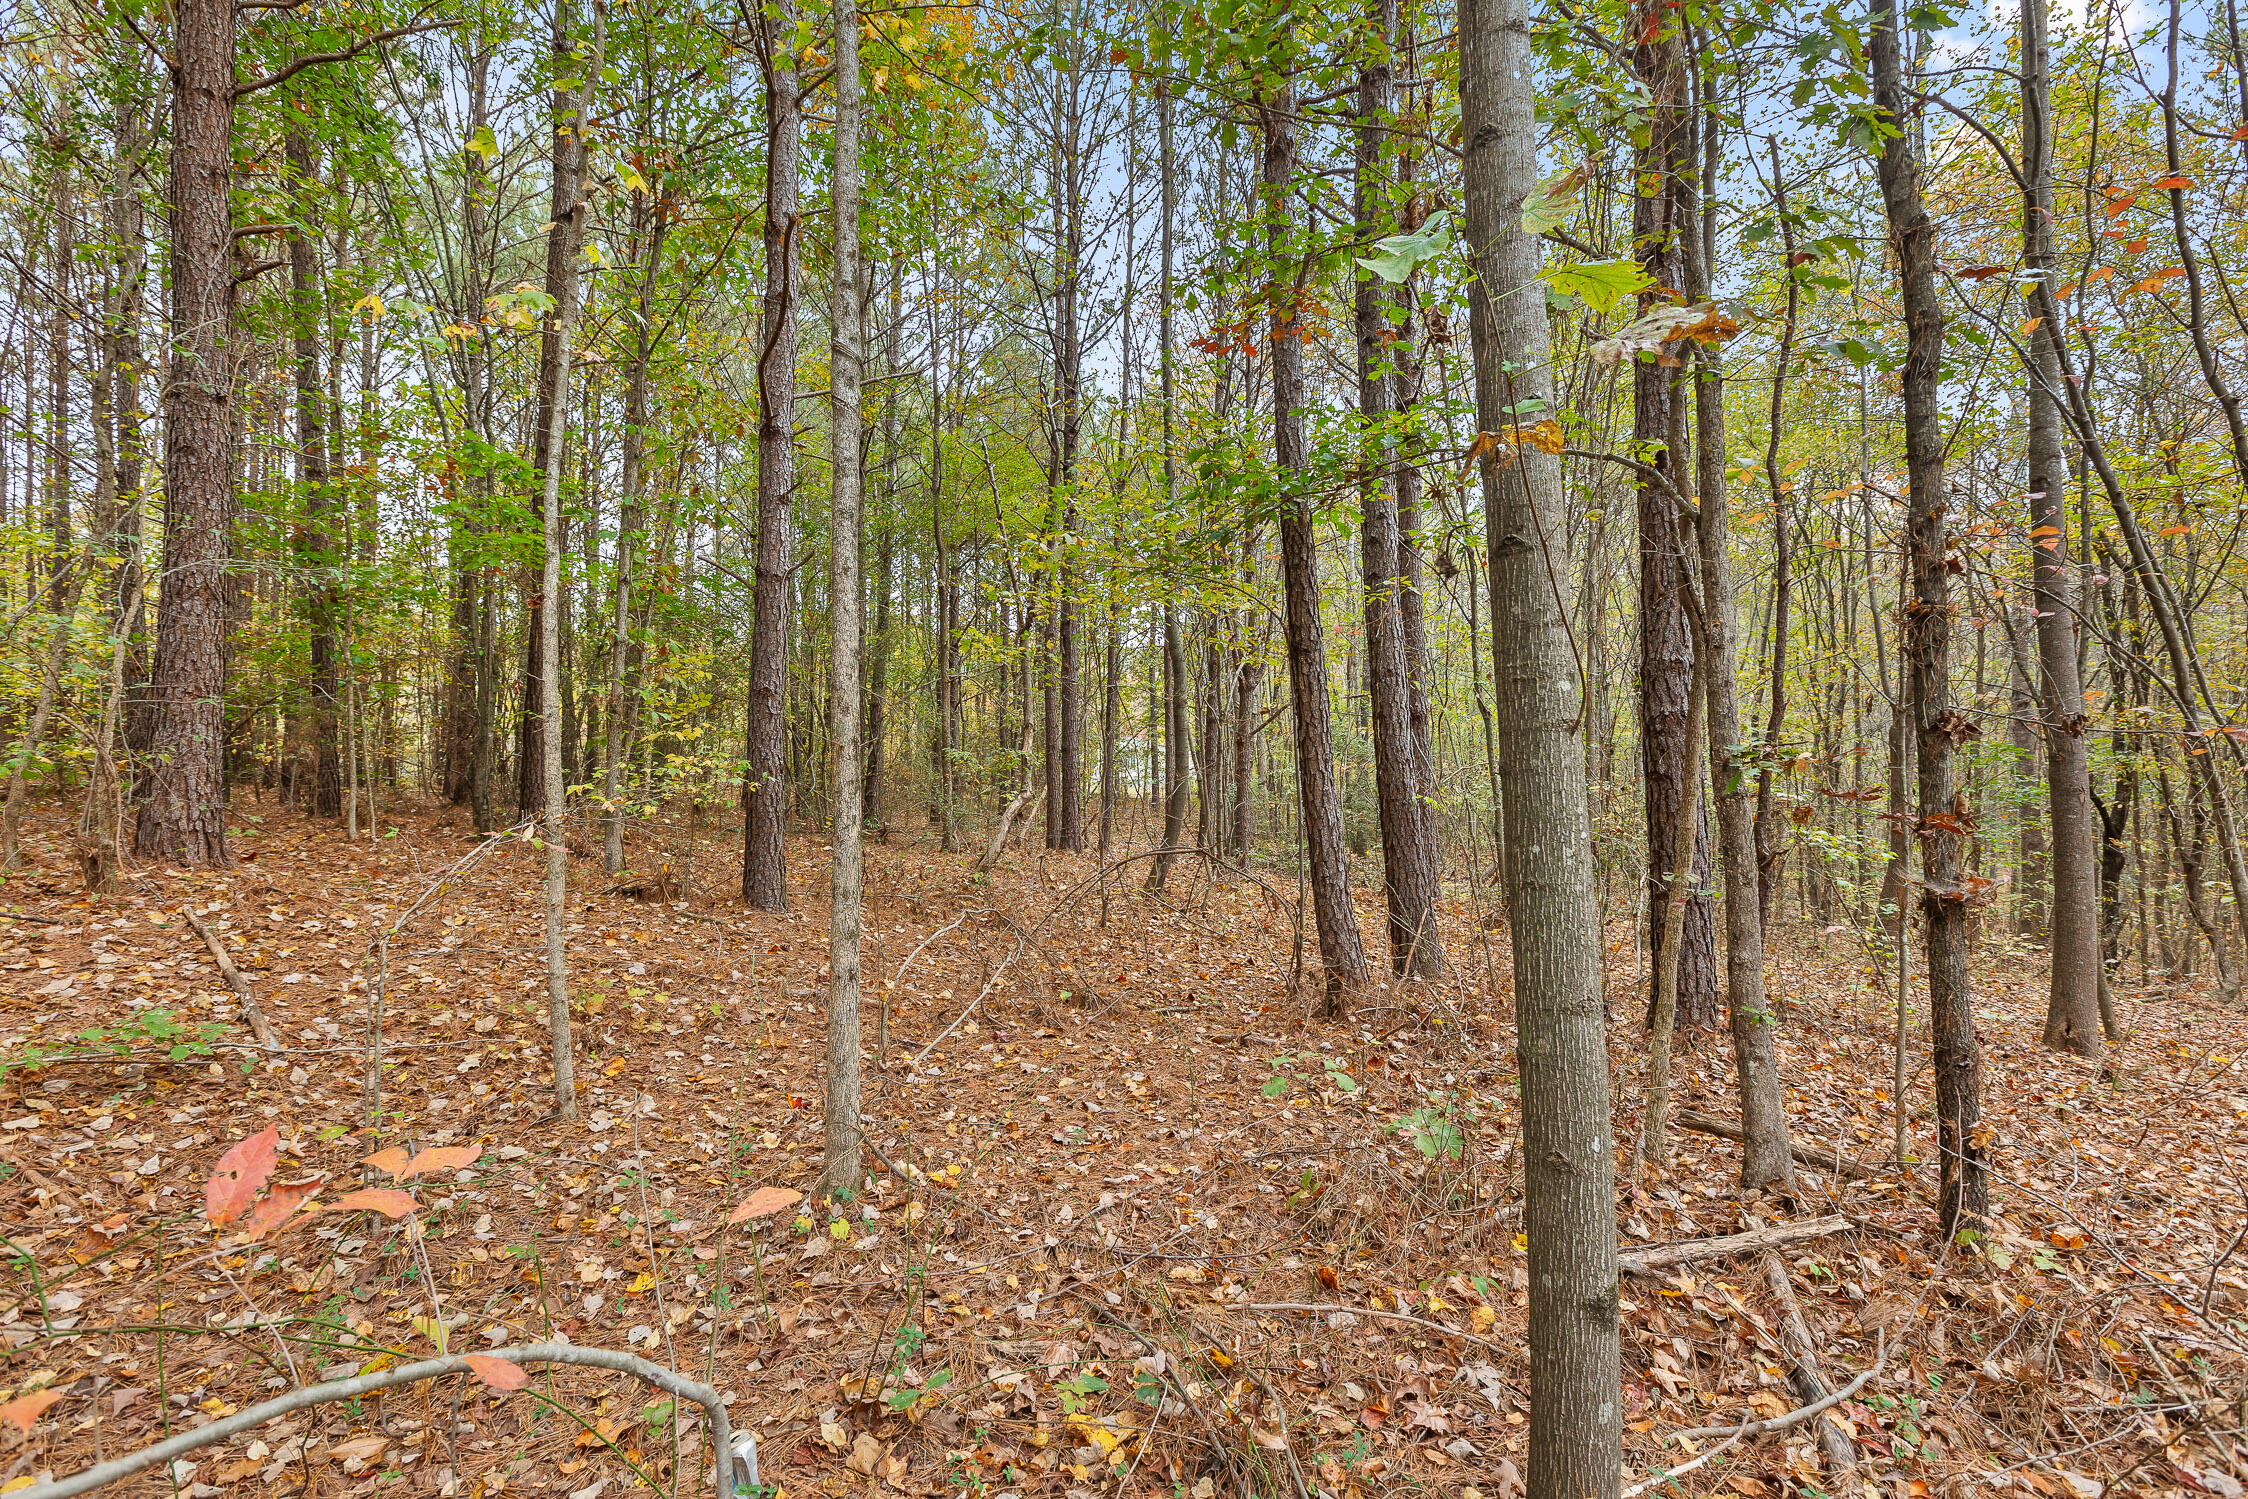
(317,497)
(183,816)
(1568,1153)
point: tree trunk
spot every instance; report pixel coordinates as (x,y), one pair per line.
(1765,1161)
(1942,811)
(765,792)
(1660,224)
(2072,1003)
(314,554)
(1568,1153)
(1409,880)
(573,110)
(652,220)
(1340,951)
(846,361)
(183,817)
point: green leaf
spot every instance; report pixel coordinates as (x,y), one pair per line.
(1397,257)
(484,143)
(1275,1088)
(1598,284)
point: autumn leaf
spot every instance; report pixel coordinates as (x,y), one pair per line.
(763,1203)
(388,1201)
(279,1207)
(441,1158)
(390,1161)
(2173,184)
(496,1372)
(25,1409)
(241,1171)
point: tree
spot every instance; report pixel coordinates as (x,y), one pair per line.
(1341,954)
(846,361)
(765,788)
(1568,1153)
(183,806)
(1941,811)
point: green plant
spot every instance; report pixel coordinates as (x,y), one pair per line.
(159,1027)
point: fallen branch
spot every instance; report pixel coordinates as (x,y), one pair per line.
(1809,1380)
(260,1027)
(1732,1434)
(1375,1311)
(1821,1160)
(101,1475)
(1655,1259)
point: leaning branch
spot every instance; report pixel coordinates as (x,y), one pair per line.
(1818,1160)
(315,59)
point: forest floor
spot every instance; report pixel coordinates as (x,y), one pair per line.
(1132,1172)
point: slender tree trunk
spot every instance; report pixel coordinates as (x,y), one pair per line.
(1341,952)
(1654,1146)
(314,553)
(1942,810)
(846,360)
(1660,226)
(1771,850)
(1568,1152)
(568,186)
(572,113)
(2072,1004)
(183,817)
(765,825)
(1765,1157)
(653,220)
(878,671)
(1408,855)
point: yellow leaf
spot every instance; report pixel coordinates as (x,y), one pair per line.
(641,1282)
(840,1229)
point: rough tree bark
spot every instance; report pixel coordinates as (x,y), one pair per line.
(1942,812)
(183,817)
(1341,953)
(765,792)
(322,596)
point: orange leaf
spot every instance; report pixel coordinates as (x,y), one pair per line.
(496,1372)
(241,1171)
(2173,184)
(443,1158)
(25,1409)
(763,1203)
(388,1160)
(388,1201)
(279,1207)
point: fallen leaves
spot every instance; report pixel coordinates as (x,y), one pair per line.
(499,1373)
(25,1409)
(763,1203)
(240,1172)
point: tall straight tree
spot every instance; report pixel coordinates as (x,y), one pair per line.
(183,812)
(846,363)
(1940,821)
(1660,223)
(573,88)
(1409,869)
(577,60)
(2072,1002)
(1568,1153)
(322,596)
(1341,952)
(765,791)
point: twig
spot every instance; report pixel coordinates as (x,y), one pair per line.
(1660,1257)
(1822,1160)
(259,1025)
(1733,1434)
(101,1475)
(989,984)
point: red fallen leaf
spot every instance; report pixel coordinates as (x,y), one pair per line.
(496,1372)
(240,1172)
(388,1201)
(25,1409)
(279,1207)
(441,1158)
(763,1203)
(390,1161)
